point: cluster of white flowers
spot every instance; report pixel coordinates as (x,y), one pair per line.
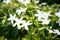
(19,22)
(43,16)
(25,2)
(7,1)
(12,18)
(19,11)
(55,31)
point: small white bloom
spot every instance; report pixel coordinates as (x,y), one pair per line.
(50,31)
(58,22)
(19,23)
(20,0)
(46,21)
(58,14)
(46,15)
(42,15)
(43,3)
(56,31)
(39,15)
(25,2)
(12,18)
(36,1)
(40,5)
(26,24)
(21,10)
(7,1)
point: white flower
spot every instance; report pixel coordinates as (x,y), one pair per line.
(36,1)
(7,1)
(46,15)
(46,21)
(20,0)
(58,21)
(43,3)
(50,31)
(39,15)
(58,14)
(56,31)
(25,2)
(19,23)
(12,18)
(21,10)
(26,24)
(42,15)
(40,5)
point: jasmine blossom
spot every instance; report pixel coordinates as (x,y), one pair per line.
(26,24)
(7,1)
(36,1)
(19,23)
(21,10)
(58,14)
(42,15)
(12,18)
(46,21)
(46,15)
(25,2)
(56,31)
(50,31)
(39,15)
(58,22)
(43,3)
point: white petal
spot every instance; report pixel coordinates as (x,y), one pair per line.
(10,15)
(26,28)
(14,15)
(12,21)
(36,14)
(18,26)
(14,25)
(21,18)
(50,31)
